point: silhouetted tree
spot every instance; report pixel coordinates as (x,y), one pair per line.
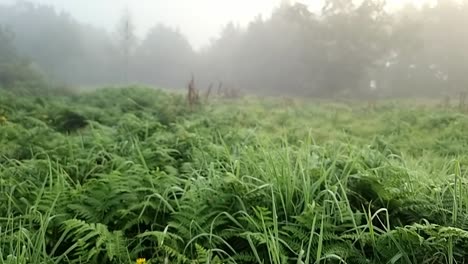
(127,40)
(15,72)
(164,58)
(7,50)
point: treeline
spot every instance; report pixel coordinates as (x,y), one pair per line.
(345,50)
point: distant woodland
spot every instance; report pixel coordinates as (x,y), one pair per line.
(350,50)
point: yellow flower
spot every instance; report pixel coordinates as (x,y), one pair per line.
(141,261)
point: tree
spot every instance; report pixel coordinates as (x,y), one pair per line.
(50,39)
(127,40)
(355,42)
(428,50)
(7,51)
(164,58)
(15,71)
(447,54)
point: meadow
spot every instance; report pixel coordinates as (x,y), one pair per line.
(135,175)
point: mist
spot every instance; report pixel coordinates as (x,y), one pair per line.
(240,132)
(335,48)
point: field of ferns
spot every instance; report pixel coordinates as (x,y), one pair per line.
(135,175)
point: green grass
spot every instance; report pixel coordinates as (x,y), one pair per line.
(240,181)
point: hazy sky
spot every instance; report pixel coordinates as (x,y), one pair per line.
(199,20)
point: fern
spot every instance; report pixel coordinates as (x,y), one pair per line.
(95,241)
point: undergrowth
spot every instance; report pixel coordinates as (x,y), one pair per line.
(119,174)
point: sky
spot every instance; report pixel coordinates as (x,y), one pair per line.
(199,20)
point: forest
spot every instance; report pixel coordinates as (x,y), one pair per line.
(345,50)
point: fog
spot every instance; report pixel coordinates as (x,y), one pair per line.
(330,48)
(199,20)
